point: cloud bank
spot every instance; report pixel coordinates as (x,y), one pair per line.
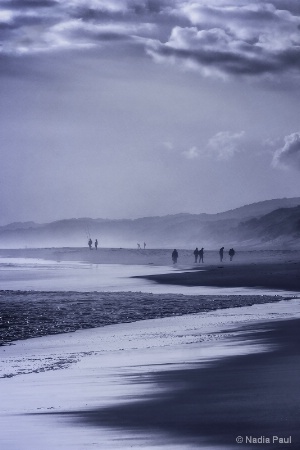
(218,37)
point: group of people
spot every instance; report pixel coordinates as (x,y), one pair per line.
(199,255)
(231,253)
(139,246)
(90,243)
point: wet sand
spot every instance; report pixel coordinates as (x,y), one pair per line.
(273,270)
(251,396)
(168,383)
(178,383)
(281,276)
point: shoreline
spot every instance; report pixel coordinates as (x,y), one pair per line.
(37,312)
(32,314)
(168,383)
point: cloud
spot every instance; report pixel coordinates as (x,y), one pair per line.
(232,38)
(41,26)
(221,147)
(289,155)
(17,4)
(168,145)
(6,16)
(270,142)
(192,153)
(224,145)
(241,39)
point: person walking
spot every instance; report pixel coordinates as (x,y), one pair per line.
(90,243)
(96,244)
(196,254)
(231,254)
(201,254)
(221,253)
(174,256)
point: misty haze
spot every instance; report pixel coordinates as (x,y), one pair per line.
(273,224)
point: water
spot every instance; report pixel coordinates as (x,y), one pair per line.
(30,274)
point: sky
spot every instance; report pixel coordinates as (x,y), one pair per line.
(133,108)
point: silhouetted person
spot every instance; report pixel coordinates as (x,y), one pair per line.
(231,253)
(90,243)
(96,244)
(138,246)
(144,245)
(221,253)
(174,256)
(201,254)
(196,254)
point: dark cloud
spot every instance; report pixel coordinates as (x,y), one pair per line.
(85,34)
(249,39)
(214,52)
(289,5)
(289,155)
(7,26)
(21,4)
(224,38)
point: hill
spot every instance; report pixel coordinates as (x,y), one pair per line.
(269,224)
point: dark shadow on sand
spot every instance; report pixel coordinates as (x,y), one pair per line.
(275,276)
(251,395)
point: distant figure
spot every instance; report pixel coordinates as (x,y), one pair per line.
(221,253)
(231,253)
(90,243)
(96,244)
(196,254)
(144,245)
(174,256)
(138,246)
(201,254)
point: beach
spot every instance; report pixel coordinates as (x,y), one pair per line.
(195,381)
(133,369)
